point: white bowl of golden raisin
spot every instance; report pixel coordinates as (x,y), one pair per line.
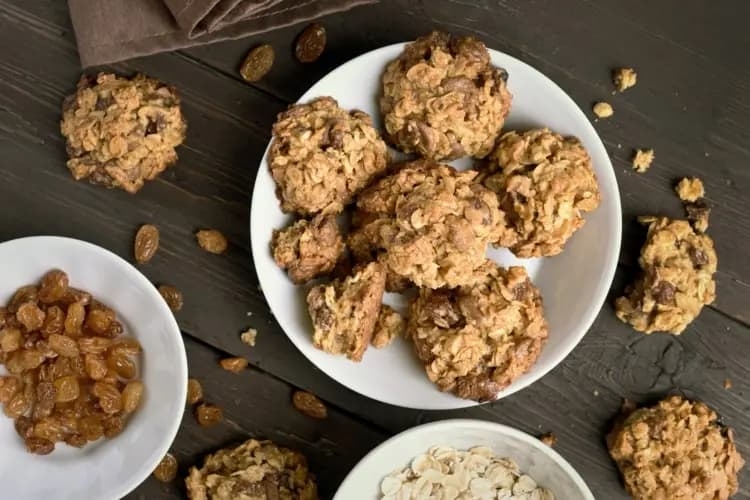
(93,373)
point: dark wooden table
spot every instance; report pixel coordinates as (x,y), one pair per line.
(691,104)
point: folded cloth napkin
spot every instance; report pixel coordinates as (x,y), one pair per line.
(113,30)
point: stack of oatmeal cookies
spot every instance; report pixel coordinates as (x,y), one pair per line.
(421,227)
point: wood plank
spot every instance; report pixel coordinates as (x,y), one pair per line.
(257,405)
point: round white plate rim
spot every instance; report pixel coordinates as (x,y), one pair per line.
(439,427)
(146,468)
(591,312)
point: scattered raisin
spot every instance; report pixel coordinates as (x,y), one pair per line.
(208,414)
(309,404)
(53,286)
(194,392)
(258,63)
(212,241)
(39,446)
(234,365)
(172,296)
(146,243)
(166,471)
(310,43)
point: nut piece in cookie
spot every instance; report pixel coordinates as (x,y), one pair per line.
(475,340)
(673,450)
(308,249)
(344,312)
(442,99)
(676,281)
(254,470)
(322,156)
(389,326)
(427,223)
(121,132)
(544,183)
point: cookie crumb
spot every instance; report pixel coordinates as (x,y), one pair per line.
(690,189)
(596,393)
(642,160)
(697,214)
(727,384)
(549,439)
(248,336)
(624,78)
(603,109)
(388,327)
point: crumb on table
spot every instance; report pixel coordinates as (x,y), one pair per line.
(690,189)
(548,438)
(624,78)
(727,384)
(248,336)
(642,160)
(603,109)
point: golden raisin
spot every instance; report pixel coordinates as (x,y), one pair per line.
(113,426)
(110,398)
(208,414)
(212,240)
(310,43)
(146,243)
(122,365)
(113,330)
(194,391)
(31,359)
(98,320)
(45,400)
(76,295)
(166,471)
(24,427)
(17,406)
(91,427)
(9,386)
(53,322)
(257,63)
(95,366)
(172,296)
(24,294)
(234,365)
(30,316)
(131,396)
(309,404)
(62,345)
(127,346)
(76,440)
(10,339)
(48,428)
(53,286)
(39,446)
(74,319)
(94,345)
(66,389)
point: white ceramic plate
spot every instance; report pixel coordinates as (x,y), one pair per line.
(534,458)
(105,469)
(574,284)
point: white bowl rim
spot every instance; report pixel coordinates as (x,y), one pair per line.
(146,468)
(608,273)
(437,427)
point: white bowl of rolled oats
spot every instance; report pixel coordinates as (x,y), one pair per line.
(463,459)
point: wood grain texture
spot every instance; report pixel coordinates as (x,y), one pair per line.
(691,100)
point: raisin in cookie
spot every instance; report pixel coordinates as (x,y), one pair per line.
(428,223)
(308,249)
(254,470)
(121,132)
(676,281)
(322,156)
(675,450)
(476,340)
(442,98)
(544,183)
(344,312)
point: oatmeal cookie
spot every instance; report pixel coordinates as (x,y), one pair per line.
(389,326)
(676,281)
(121,132)
(254,470)
(344,312)
(443,99)
(322,156)
(675,450)
(428,223)
(476,340)
(544,183)
(308,249)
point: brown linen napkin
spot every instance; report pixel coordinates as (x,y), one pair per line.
(112,30)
